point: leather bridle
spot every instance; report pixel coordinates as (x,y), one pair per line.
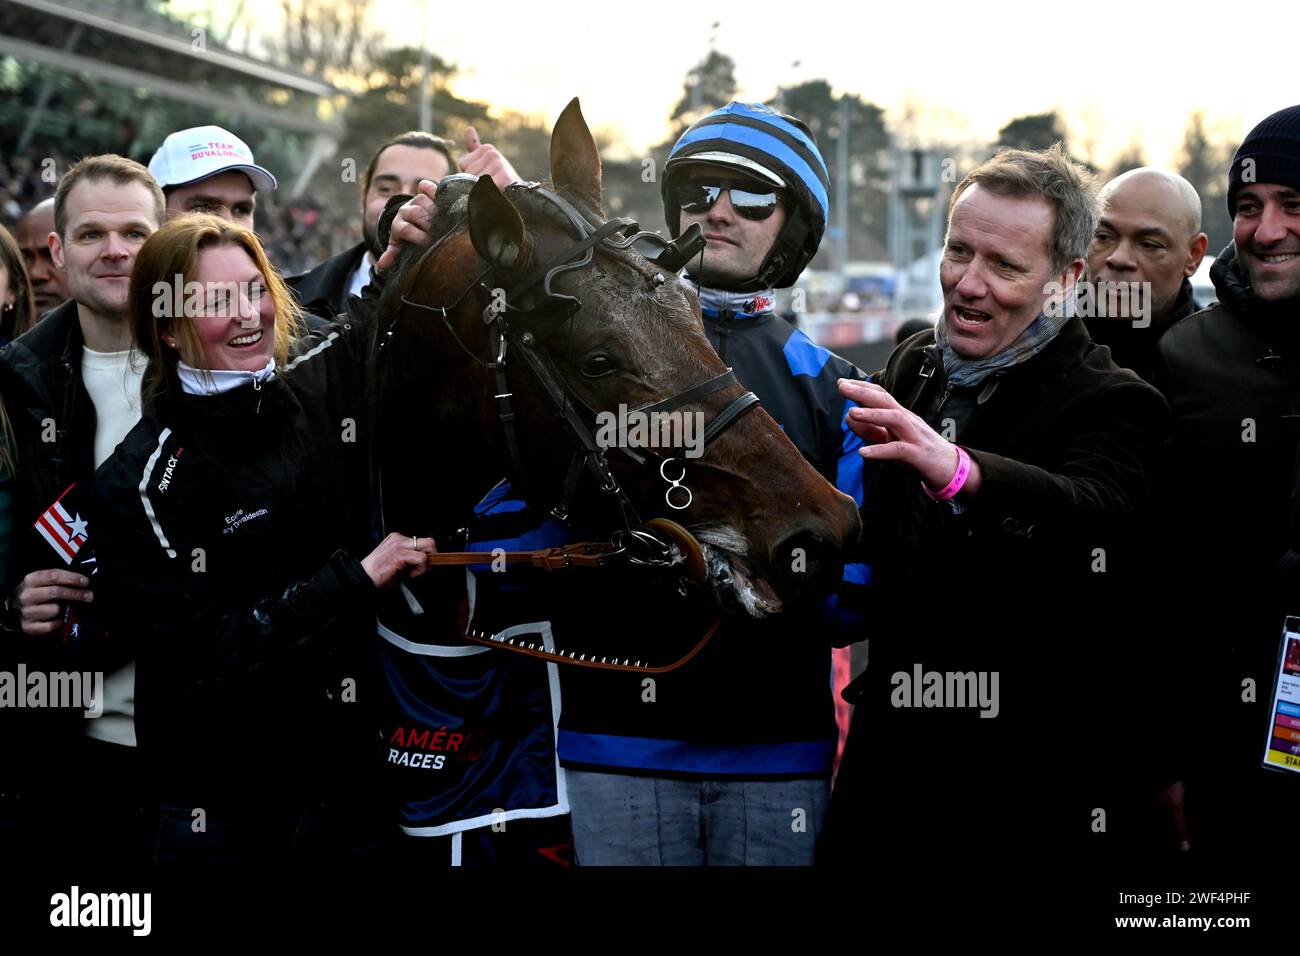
(636,542)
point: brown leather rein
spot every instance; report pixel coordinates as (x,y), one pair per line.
(586,554)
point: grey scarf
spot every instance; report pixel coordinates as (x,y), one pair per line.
(963,372)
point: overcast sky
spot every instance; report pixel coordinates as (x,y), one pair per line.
(1118,71)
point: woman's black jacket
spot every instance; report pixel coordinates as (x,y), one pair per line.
(229,531)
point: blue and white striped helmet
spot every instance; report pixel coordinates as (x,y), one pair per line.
(757,140)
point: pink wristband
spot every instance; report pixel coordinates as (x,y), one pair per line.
(958,480)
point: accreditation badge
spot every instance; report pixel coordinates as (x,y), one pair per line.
(1282,751)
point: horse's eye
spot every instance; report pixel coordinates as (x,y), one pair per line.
(598,366)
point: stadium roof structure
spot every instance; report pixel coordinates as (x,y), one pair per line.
(130,43)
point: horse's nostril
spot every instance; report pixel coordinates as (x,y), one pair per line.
(802,556)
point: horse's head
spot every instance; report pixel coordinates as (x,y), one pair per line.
(598,332)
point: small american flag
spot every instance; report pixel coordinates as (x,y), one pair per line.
(65,532)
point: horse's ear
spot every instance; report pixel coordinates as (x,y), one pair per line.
(495,227)
(575,162)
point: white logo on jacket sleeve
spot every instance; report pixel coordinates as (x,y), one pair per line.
(167,472)
(170,470)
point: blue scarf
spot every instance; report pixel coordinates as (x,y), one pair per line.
(715,303)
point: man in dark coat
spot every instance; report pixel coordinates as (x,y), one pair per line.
(1148,246)
(397,167)
(1232,377)
(981,719)
(72,389)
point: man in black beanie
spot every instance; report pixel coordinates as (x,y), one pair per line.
(1231,374)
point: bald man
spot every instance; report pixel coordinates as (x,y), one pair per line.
(49,282)
(1149,234)
(1147,246)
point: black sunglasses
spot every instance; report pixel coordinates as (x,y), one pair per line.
(699,198)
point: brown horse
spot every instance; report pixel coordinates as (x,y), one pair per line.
(588,325)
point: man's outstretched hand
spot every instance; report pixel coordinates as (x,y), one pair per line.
(483,159)
(414,221)
(893,433)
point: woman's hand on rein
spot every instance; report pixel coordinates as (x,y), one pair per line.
(398,553)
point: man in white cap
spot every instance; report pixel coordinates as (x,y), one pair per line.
(209,169)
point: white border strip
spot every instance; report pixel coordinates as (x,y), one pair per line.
(144,493)
(429,650)
(325,343)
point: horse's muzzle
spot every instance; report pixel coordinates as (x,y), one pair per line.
(807,562)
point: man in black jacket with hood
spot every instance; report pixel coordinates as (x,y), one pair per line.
(1232,377)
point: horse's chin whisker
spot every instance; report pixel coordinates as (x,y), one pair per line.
(723,537)
(731,583)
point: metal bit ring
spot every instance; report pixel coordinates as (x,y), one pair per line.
(675,484)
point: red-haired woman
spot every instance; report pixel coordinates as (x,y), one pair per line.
(233,531)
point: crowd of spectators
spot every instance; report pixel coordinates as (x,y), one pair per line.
(297,233)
